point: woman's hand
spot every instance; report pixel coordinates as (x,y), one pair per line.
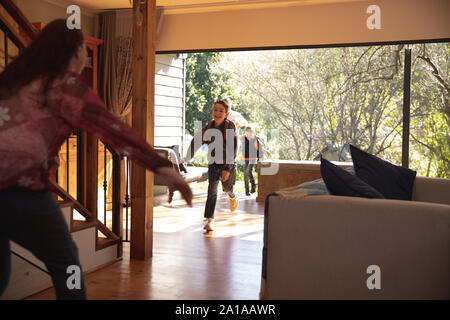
(175,182)
(225,175)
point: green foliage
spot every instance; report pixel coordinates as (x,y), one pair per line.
(203,88)
(200,159)
(321,99)
(430,110)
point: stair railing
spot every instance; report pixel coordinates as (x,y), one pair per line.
(82,210)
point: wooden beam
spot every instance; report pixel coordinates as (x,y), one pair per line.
(144,41)
(159,19)
(14,11)
(19,37)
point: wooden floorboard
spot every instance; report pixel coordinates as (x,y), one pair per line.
(189,263)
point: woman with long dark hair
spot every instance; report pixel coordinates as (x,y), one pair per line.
(43,99)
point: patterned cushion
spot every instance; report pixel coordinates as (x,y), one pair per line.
(310,188)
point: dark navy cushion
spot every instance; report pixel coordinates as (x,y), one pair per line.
(340,182)
(394,182)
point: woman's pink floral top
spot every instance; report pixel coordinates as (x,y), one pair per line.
(33,128)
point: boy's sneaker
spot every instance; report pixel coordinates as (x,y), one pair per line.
(253,189)
(209,226)
(233,204)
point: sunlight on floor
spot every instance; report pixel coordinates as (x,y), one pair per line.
(177,216)
(246,223)
(233,225)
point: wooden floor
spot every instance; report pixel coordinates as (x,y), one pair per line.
(189,263)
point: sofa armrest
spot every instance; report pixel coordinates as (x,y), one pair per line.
(319,247)
(434,190)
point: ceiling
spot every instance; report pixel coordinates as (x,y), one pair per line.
(195,5)
(195,25)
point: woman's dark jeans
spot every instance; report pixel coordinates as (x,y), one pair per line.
(34,220)
(214,176)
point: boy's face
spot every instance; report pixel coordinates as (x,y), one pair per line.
(249,134)
(219,113)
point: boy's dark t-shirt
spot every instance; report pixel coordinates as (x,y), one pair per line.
(227,160)
(252,148)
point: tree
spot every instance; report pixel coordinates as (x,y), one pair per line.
(430,119)
(203,88)
(321,99)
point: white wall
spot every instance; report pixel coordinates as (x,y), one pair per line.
(47,11)
(298,23)
(169,99)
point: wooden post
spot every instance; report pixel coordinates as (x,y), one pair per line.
(90,159)
(89,153)
(117,216)
(144,42)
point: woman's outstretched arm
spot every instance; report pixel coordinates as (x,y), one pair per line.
(79,106)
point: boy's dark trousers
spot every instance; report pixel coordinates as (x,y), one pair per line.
(214,176)
(248,176)
(33,219)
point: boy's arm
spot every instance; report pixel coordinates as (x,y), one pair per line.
(268,153)
(229,163)
(236,144)
(261,146)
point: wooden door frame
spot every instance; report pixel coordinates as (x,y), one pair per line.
(143,63)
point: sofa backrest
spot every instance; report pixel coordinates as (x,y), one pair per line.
(434,190)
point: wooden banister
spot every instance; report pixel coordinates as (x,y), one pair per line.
(82,210)
(10,7)
(77,206)
(13,32)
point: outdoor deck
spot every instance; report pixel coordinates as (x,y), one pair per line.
(188,263)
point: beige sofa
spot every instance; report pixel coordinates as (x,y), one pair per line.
(319,247)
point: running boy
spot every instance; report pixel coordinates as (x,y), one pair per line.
(253,149)
(221,137)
